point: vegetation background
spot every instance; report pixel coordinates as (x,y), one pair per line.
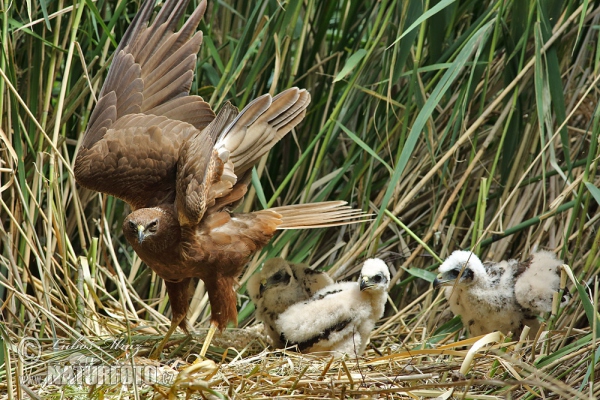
(457,123)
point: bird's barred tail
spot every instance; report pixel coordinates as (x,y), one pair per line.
(318,215)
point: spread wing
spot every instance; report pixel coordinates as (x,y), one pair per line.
(201,175)
(135,161)
(126,151)
(210,179)
(152,71)
(260,125)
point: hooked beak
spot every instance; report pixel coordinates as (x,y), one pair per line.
(141,235)
(441,280)
(262,286)
(364,283)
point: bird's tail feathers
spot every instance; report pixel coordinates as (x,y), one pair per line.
(318,215)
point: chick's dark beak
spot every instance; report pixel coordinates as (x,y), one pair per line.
(364,283)
(141,234)
(440,280)
(262,287)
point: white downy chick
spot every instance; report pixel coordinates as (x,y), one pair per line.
(340,317)
(279,285)
(484,294)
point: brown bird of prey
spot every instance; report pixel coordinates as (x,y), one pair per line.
(503,296)
(279,285)
(181,169)
(340,317)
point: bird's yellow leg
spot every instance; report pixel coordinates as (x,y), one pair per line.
(156,353)
(208,339)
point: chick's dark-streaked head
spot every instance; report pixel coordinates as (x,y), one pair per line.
(375,274)
(278,278)
(461,265)
(274,276)
(448,278)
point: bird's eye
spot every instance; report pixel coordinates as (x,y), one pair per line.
(468,274)
(453,273)
(279,278)
(377,278)
(132,225)
(152,226)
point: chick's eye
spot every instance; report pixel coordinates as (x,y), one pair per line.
(377,278)
(277,276)
(131,225)
(453,273)
(468,274)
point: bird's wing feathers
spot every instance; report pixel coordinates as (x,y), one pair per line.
(195,170)
(241,139)
(152,71)
(260,125)
(312,281)
(167,58)
(191,109)
(136,160)
(324,339)
(202,175)
(106,111)
(150,78)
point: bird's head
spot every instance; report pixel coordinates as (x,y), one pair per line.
(374,275)
(275,275)
(151,227)
(462,265)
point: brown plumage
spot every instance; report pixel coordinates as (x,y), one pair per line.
(181,169)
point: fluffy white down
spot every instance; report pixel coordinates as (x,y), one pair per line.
(275,299)
(534,288)
(341,302)
(303,321)
(374,266)
(503,298)
(487,303)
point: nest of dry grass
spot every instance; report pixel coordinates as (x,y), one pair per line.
(401,362)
